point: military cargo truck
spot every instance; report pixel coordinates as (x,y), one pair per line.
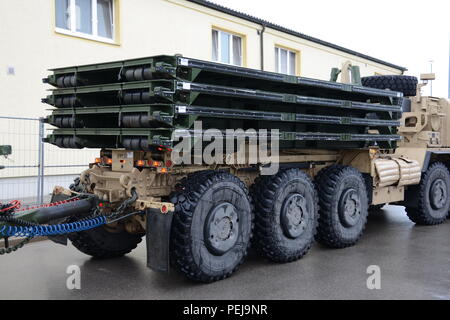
(342,149)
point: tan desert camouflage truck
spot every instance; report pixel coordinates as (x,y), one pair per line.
(202,219)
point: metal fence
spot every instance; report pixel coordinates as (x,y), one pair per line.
(35,167)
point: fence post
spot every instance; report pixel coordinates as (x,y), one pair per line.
(41,162)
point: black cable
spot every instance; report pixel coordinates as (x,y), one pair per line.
(12,249)
(20,222)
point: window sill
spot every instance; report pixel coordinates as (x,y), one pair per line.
(86,37)
(228,64)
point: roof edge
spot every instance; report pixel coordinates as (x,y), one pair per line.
(271,25)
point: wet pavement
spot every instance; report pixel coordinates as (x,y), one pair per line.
(414,263)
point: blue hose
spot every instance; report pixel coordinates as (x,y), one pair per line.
(52,230)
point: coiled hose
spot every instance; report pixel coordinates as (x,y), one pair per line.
(30,230)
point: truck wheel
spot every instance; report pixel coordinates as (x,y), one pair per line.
(286,213)
(343,206)
(212,226)
(433,197)
(405,84)
(103,243)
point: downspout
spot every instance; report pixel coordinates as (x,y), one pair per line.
(261,39)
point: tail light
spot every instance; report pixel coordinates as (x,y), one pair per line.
(156,164)
(140,163)
(103,161)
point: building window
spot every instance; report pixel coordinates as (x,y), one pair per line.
(92,19)
(285,61)
(226,48)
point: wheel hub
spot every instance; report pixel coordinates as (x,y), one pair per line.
(222,228)
(294,214)
(438,194)
(350,208)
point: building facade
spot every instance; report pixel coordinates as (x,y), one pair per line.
(41,34)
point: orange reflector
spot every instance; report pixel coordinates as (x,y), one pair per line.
(98,160)
(164,170)
(157,164)
(140,163)
(109,161)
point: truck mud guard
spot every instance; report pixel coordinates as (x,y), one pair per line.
(158,240)
(429,155)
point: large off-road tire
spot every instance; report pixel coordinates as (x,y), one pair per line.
(433,196)
(343,206)
(286,215)
(405,84)
(212,226)
(103,243)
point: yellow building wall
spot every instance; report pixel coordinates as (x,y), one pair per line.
(30,45)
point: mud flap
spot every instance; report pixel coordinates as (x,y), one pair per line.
(158,240)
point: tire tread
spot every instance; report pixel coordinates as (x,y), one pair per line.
(263,192)
(189,193)
(326,182)
(420,214)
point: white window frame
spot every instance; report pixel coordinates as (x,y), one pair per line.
(288,62)
(231,46)
(94,36)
